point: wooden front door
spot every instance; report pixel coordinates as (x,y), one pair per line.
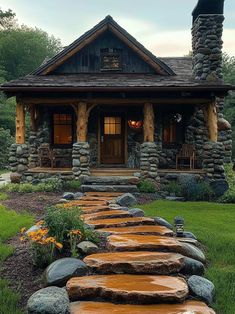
(112,139)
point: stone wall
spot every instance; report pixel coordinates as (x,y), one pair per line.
(207,47)
(81,160)
(213,161)
(149,161)
(19,158)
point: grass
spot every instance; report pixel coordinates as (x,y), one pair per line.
(3,171)
(10,224)
(214,225)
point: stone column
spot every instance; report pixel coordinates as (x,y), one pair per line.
(81,160)
(19,160)
(207,47)
(149,161)
(213,161)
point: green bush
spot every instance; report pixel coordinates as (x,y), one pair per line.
(200,191)
(5,142)
(146,186)
(72,185)
(60,221)
(229,196)
(173,188)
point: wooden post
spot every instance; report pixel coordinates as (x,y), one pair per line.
(211,114)
(82,121)
(148,123)
(32,111)
(20,123)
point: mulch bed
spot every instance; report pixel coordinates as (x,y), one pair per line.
(18,269)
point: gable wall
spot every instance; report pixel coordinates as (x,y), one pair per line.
(88,59)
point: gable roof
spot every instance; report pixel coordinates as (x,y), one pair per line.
(106,24)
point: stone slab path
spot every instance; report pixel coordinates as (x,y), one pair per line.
(140,271)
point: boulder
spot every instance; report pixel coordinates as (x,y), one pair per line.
(15,177)
(192,267)
(61,270)
(219,187)
(87,247)
(68,196)
(126,199)
(201,288)
(50,300)
(137,212)
(189,235)
(223,125)
(33,228)
(78,195)
(162,222)
(193,252)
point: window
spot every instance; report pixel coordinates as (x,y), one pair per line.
(111,59)
(173,129)
(112,125)
(62,129)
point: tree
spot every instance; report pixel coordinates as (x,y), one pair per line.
(23,49)
(7,19)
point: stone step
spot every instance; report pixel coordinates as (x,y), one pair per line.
(111,180)
(188,307)
(86,203)
(141,289)
(144,230)
(95,209)
(121,222)
(107,214)
(133,242)
(110,188)
(135,262)
(103,194)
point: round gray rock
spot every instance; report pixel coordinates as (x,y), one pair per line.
(189,235)
(60,271)
(50,300)
(192,267)
(162,222)
(68,196)
(126,199)
(87,247)
(201,288)
(136,212)
(192,251)
(78,195)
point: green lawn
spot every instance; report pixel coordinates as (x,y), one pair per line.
(10,224)
(214,225)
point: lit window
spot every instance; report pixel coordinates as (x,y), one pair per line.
(62,124)
(112,125)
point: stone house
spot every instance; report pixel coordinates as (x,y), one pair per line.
(106,105)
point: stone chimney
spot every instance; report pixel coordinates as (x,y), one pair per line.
(207,41)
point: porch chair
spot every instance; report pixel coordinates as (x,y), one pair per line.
(46,155)
(187,152)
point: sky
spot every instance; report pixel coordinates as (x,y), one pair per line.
(162,26)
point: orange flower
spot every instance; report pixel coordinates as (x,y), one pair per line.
(75,232)
(22,239)
(40,222)
(58,245)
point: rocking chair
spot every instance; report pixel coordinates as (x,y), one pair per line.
(46,155)
(187,152)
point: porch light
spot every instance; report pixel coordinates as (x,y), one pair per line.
(135,125)
(179,226)
(178,117)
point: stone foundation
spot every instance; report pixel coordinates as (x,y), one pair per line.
(149,161)
(81,160)
(213,161)
(19,158)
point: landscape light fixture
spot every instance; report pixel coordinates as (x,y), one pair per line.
(179,226)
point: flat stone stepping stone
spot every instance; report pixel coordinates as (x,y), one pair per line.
(189,307)
(133,242)
(121,222)
(150,230)
(103,194)
(136,262)
(95,209)
(95,198)
(89,203)
(141,289)
(107,214)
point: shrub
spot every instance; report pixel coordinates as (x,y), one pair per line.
(72,185)
(173,188)
(146,186)
(5,142)
(229,196)
(200,191)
